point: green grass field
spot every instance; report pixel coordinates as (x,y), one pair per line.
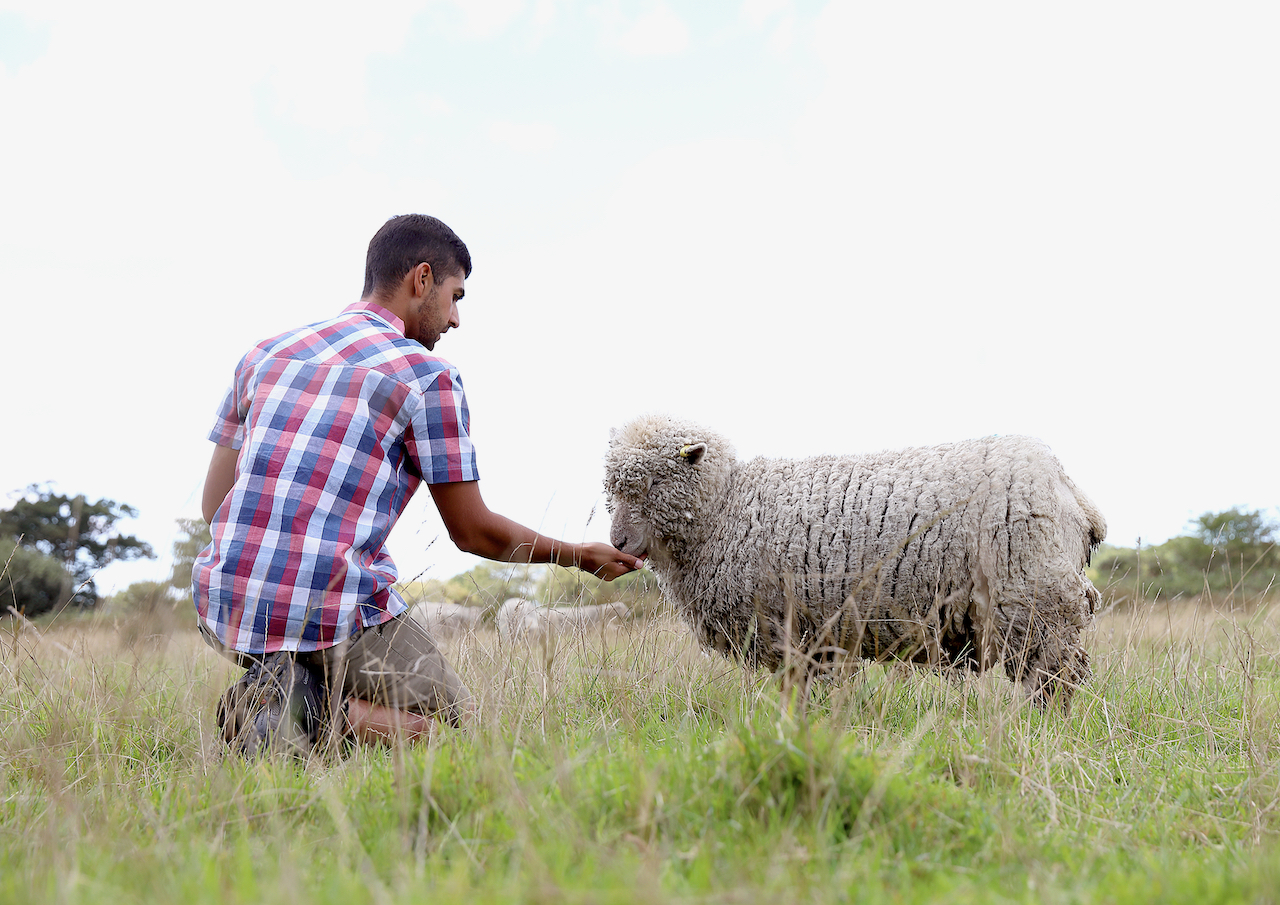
(625,766)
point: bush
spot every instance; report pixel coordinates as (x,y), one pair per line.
(490,584)
(485,586)
(30,582)
(149,611)
(144,597)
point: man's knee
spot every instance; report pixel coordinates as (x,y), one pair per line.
(399,665)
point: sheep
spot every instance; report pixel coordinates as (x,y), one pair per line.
(444,620)
(518,617)
(962,555)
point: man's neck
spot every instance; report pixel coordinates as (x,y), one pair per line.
(397,304)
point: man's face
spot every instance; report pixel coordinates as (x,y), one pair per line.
(438,309)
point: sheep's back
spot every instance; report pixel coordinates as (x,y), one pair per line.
(876,528)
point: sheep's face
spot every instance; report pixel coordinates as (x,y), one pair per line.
(662,479)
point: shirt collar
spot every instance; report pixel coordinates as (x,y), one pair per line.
(377,311)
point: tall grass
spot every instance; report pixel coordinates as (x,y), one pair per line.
(624,765)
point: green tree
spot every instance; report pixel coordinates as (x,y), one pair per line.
(193,537)
(1229,556)
(79,534)
(1235,532)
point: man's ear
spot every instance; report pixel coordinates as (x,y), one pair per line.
(693,453)
(423,279)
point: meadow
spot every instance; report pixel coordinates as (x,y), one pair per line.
(623,765)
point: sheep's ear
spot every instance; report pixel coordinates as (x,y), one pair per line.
(613,436)
(693,453)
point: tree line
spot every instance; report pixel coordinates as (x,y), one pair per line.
(1228,557)
(52,546)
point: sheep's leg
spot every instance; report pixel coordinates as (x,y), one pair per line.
(988,638)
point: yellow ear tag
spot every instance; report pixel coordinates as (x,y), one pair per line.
(684,453)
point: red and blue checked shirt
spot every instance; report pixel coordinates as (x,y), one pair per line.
(336,425)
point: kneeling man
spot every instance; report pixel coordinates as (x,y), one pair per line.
(324,435)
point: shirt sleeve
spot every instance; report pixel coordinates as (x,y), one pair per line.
(229,426)
(439,435)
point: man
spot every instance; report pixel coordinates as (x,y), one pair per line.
(324,436)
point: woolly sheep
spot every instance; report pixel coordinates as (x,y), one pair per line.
(518,617)
(445,620)
(966,554)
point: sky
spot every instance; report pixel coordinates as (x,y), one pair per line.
(813,227)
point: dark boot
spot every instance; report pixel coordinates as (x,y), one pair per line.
(276,707)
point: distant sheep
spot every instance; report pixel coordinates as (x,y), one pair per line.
(518,618)
(962,555)
(446,619)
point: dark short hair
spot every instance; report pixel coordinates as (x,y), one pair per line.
(406,241)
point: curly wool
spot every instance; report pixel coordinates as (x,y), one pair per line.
(965,554)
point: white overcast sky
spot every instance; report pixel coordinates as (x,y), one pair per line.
(817,228)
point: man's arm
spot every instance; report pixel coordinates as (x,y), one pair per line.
(475,528)
(217,483)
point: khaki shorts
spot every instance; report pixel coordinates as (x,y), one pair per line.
(396,664)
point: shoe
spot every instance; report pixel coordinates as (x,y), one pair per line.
(276,707)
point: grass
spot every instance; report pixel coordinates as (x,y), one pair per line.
(625,766)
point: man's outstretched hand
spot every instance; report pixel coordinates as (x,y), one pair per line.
(477,529)
(605,561)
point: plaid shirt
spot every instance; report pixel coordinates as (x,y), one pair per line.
(336,424)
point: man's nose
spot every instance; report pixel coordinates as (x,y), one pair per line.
(453,317)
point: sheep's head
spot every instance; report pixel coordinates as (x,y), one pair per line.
(663,479)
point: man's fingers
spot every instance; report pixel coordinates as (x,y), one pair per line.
(609,562)
(616,569)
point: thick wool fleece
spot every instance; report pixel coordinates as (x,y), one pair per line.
(965,554)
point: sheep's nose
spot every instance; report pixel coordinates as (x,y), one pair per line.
(619,536)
